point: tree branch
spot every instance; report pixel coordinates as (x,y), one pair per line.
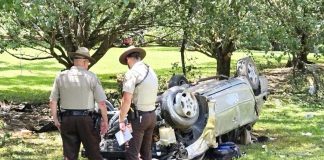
(200,48)
(24,56)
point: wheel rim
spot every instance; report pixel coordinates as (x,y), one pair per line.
(183,109)
(186,105)
(252,74)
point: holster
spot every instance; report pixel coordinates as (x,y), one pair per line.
(132,113)
(96,118)
(59,115)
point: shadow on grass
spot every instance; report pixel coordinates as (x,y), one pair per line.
(18,95)
(294,135)
(293,125)
(4,62)
(27,81)
(31,147)
(163,49)
(36,89)
(25,87)
(308,103)
(39,66)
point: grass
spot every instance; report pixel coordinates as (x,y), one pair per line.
(297,131)
(22,80)
(31,147)
(296,134)
(296,126)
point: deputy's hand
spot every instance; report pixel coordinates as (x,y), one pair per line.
(129,126)
(57,124)
(103,127)
(122,126)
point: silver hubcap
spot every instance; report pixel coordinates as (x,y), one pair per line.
(186,105)
(251,73)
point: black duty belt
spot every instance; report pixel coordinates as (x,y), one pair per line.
(145,112)
(76,113)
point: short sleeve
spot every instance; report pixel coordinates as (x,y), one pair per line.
(98,92)
(129,82)
(55,93)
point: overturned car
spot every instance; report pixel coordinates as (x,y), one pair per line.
(194,117)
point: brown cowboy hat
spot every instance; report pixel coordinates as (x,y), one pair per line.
(129,50)
(83,52)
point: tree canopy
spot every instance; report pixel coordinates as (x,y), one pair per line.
(215,28)
(58,27)
(296,25)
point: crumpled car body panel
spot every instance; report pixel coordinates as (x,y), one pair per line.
(191,118)
(231,104)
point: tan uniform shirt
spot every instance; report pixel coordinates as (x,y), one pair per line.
(145,94)
(77,89)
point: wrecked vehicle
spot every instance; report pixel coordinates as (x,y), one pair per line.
(194,117)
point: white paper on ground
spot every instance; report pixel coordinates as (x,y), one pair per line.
(123,137)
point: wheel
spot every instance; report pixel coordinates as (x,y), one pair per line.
(246,67)
(177,80)
(245,136)
(179,108)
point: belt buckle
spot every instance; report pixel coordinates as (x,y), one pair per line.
(86,112)
(81,113)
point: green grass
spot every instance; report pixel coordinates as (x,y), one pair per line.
(284,117)
(36,146)
(297,131)
(22,80)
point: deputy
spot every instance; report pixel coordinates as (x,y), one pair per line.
(78,89)
(140,87)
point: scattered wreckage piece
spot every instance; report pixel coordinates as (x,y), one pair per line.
(194,117)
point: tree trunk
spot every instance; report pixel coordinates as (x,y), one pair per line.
(224,65)
(303,52)
(104,47)
(275,46)
(303,57)
(224,52)
(183,47)
(304,47)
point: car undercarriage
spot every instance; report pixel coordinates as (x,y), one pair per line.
(195,117)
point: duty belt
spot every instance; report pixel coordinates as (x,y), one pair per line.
(144,112)
(76,113)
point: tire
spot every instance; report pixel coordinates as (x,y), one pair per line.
(170,112)
(246,67)
(245,137)
(177,80)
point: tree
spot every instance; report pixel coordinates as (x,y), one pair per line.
(298,24)
(217,26)
(57,27)
(185,9)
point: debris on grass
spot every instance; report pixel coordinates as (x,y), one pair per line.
(265,147)
(278,103)
(309,115)
(307,134)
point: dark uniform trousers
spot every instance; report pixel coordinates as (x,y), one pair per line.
(77,129)
(142,137)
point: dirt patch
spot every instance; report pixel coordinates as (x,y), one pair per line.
(24,116)
(277,78)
